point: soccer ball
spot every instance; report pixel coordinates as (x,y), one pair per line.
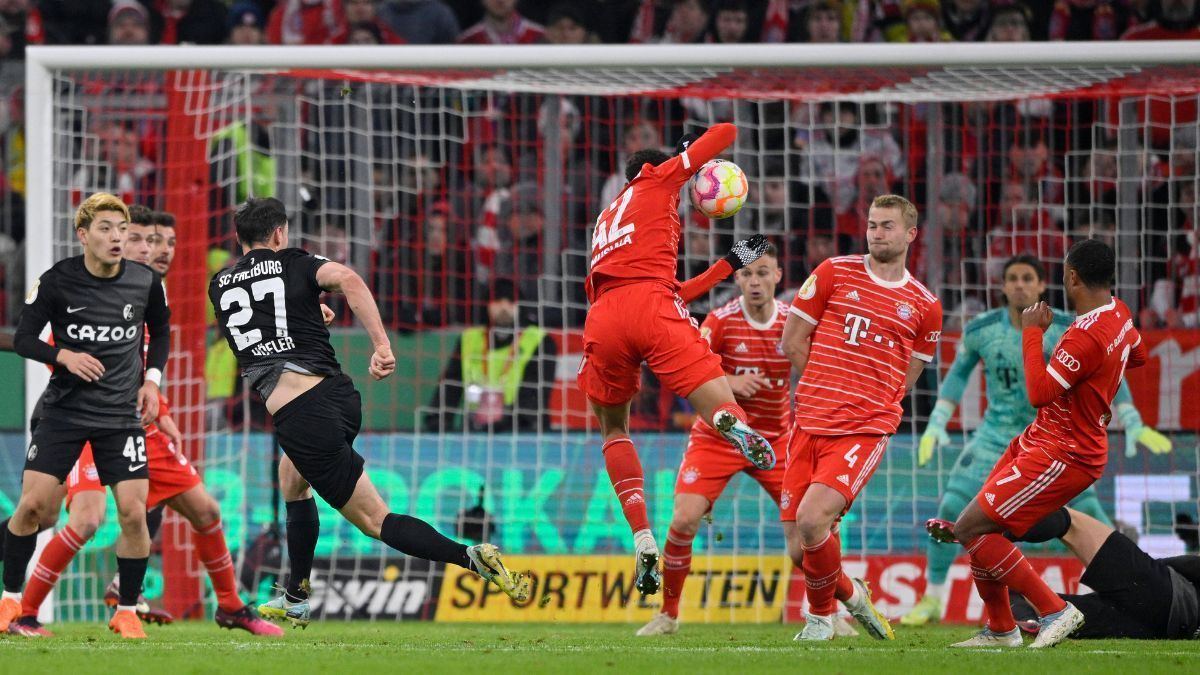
(719,189)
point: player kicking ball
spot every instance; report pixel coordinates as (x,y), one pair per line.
(994,338)
(637,315)
(860,332)
(101,392)
(267,305)
(1062,452)
(173,482)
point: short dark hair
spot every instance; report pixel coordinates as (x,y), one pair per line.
(1094,261)
(652,156)
(257,218)
(164,218)
(140,215)
(771,250)
(729,6)
(1025,259)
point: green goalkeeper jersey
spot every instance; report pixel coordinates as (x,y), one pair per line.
(991,338)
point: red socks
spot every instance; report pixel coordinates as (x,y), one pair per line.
(214,555)
(731,408)
(677,563)
(625,472)
(54,559)
(996,559)
(823,575)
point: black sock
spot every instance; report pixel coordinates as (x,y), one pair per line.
(417,538)
(303,528)
(154,519)
(3,535)
(17,552)
(1053,526)
(132,573)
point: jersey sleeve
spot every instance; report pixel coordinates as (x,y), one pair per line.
(705,281)
(158,326)
(965,359)
(1075,357)
(301,264)
(677,170)
(1137,355)
(810,300)
(928,333)
(39,308)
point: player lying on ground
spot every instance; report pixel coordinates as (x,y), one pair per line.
(1133,595)
(173,482)
(101,392)
(994,338)
(860,332)
(637,315)
(267,305)
(1061,453)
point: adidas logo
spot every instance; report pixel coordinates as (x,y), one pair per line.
(991,498)
(635,498)
(853,295)
(741,348)
(844,479)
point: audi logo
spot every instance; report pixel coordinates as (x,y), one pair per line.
(1069,362)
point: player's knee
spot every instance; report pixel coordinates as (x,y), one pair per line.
(203,511)
(813,527)
(685,523)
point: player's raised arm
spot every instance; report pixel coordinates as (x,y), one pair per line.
(743,253)
(693,154)
(1044,383)
(338,278)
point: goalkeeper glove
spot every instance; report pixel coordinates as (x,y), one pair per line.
(935,432)
(1137,432)
(747,251)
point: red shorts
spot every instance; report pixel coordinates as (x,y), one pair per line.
(170,473)
(1025,487)
(642,322)
(709,463)
(844,463)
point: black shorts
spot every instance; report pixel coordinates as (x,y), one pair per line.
(120,454)
(1132,593)
(316,430)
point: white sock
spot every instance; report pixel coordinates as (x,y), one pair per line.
(10,596)
(855,600)
(126,608)
(936,590)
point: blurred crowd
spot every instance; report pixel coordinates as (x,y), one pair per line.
(444,220)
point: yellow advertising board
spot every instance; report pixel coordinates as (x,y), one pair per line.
(599,588)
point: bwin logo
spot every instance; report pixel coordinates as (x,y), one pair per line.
(127,313)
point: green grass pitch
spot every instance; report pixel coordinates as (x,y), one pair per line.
(361,648)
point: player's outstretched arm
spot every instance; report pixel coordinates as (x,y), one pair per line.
(743,253)
(338,278)
(692,155)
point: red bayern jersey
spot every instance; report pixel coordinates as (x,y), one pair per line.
(747,346)
(521,31)
(637,236)
(868,331)
(1074,391)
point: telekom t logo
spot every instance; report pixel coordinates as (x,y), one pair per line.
(856,327)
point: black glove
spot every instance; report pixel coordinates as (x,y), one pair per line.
(686,140)
(747,251)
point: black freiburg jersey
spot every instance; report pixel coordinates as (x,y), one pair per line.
(268,307)
(104,318)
